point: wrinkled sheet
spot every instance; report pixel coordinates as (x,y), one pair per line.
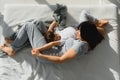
(100,64)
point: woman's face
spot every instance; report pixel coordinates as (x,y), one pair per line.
(57,37)
(78,34)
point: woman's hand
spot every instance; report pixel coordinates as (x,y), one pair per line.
(102,22)
(35,52)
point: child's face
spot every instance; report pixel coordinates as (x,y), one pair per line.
(57,37)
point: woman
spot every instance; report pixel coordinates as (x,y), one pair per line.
(37,40)
(89,34)
(71,31)
(87,38)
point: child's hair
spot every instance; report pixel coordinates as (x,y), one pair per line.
(49,37)
(90,34)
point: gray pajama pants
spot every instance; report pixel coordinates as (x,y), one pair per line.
(31,32)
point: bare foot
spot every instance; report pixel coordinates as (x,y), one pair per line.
(8,50)
(9,41)
(102,23)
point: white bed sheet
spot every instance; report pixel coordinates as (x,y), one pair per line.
(100,64)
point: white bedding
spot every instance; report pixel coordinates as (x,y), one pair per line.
(100,64)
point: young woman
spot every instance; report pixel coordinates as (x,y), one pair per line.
(69,32)
(89,34)
(70,47)
(87,38)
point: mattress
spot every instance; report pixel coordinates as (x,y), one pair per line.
(100,64)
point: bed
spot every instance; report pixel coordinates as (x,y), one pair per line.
(100,64)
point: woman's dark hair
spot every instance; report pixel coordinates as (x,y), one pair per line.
(49,37)
(90,34)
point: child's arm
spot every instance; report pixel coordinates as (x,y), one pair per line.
(52,26)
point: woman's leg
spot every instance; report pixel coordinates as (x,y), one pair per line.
(28,31)
(21,38)
(17,43)
(8,40)
(41,26)
(35,36)
(31,32)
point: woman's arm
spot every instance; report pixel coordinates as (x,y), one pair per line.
(101,23)
(46,46)
(49,45)
(69,55)
(87,16)
(52,26)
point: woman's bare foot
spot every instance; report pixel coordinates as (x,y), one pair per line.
(8,50)
(102,23)
(9,41)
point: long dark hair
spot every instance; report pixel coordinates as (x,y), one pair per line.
(90,34)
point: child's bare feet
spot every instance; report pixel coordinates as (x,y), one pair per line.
(102,22)
(8,50)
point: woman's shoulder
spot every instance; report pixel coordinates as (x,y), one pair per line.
(82,44)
